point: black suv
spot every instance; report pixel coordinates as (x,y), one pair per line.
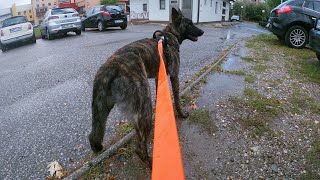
(102,17)
(292,20)
(315,38)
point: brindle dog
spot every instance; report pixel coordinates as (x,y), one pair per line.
(123,79)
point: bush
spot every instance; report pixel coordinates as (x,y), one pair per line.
(251,11)
(107,2)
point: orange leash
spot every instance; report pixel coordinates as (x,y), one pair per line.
(167,161)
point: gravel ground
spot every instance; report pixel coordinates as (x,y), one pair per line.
(263,128)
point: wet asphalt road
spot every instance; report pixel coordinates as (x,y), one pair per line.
(45,92)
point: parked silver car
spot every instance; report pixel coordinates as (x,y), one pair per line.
(60,21)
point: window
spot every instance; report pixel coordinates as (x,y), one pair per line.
(186,4)
(30,16)
(162,4)
(19,13)
(49,4)
(38,6)
(29,11)
(90,12)
(223,11)
(224,4)
(25,12)
(42,5)
(96,9)
(317,6)
(144,7)
(205,2)
(211,3)
(309,4)
(216,8)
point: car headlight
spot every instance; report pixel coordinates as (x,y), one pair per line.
(318,24)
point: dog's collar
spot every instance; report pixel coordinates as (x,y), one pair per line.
(166,41)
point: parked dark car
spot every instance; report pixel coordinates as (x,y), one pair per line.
(292,20)
(102,17)
(315,38)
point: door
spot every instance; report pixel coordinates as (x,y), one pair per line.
(187,8)
(86,21)
(94,17)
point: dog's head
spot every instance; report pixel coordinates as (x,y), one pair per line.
(185,26)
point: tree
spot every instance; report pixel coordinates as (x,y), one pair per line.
(273,3)
(107,2)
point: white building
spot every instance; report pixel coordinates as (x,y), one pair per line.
(197,10)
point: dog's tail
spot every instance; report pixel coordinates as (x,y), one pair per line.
(102,103)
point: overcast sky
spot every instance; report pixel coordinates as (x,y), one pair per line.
(8,3)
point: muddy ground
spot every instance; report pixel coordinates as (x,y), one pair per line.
(256,116)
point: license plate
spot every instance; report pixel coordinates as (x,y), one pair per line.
(15,29)
(118,21)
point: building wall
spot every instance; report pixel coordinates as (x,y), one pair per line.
(157,14)
(23,10)
(136,10)
(212,10)
(40,7)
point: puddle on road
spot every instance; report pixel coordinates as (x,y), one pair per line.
(220,86)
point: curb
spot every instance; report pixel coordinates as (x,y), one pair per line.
(109,152)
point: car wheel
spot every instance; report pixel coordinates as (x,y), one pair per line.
(49,36)
(124,26)
(296,37)
(3,48)
(33,39)
(318,56)
(78,32)
(101,26)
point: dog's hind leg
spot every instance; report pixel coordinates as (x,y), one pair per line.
(175,90)
(143,123)
(102,104)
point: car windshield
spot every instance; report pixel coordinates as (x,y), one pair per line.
(116,8)
(62,11)
(13,21)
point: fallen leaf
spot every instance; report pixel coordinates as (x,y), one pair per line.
(193,105)
(55,169)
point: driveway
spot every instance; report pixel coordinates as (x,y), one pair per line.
(45,92)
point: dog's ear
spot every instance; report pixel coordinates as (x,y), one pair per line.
(176,16)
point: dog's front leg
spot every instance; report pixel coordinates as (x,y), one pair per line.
(175,89)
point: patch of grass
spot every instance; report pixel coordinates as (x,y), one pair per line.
(239,73)
(218,68)
(261,111)
(250,79)
(299,102)
(313,161)
(37,32)
(203,119)
(248,59)
(274,83)
(125,128)
(315,107)
(185,100)
(299,62)
(93,172)
(259,68)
